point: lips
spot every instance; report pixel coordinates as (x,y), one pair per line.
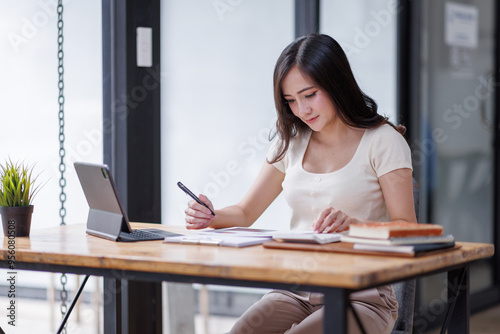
(310,120)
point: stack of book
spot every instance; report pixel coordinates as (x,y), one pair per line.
(396,237)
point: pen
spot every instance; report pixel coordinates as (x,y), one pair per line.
(187,191)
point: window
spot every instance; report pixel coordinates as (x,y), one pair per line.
(217,101)
(366,29)
(30,126)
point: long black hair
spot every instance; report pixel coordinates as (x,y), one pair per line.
(320,58)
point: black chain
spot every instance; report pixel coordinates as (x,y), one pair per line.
(62,151)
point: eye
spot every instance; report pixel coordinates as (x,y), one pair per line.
(311,95)
(290,101)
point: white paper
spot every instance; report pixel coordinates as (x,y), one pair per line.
(144,47)
(461,25)
(217,240)
(307,237)
(240,232)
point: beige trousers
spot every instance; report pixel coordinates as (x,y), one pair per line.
(280,312)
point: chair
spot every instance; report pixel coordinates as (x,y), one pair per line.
(405,294)
(405,291)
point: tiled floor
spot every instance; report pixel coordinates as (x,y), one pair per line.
(485,322)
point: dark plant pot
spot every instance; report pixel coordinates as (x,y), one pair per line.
(16,220)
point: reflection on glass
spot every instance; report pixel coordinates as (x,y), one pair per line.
(454,153)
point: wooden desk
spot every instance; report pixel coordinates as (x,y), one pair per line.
(69,249)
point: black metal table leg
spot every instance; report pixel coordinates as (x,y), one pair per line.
(66,316)
(460,317)
(336,303)
(457,317)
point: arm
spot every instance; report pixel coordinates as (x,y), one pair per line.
(397,188)
(264,190)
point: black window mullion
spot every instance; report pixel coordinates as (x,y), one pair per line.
(306,17)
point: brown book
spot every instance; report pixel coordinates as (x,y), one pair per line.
(386,230)
(347,247)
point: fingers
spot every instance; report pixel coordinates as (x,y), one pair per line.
(197,215)
(205,200)
(196,223)
(328,220)
(317,223)
(331,220)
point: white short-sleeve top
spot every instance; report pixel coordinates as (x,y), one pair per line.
(353,189)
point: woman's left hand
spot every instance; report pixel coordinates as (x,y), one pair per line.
(332,220)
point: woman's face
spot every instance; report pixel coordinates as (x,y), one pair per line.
(308,101)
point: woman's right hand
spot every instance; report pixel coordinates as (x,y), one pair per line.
(198,216)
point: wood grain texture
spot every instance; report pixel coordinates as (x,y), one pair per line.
(70,245)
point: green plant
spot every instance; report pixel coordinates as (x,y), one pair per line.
(16,185)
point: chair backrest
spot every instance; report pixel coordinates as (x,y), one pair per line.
(405,291)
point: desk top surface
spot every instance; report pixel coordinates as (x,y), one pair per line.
(71,246)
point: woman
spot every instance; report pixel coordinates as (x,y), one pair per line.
(338,163)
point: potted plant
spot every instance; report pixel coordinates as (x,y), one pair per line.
(16,195)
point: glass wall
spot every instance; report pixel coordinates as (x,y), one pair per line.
(454,153)
(217,99)
(30,127)
(366,29)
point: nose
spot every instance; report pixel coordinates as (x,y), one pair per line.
(303,109)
